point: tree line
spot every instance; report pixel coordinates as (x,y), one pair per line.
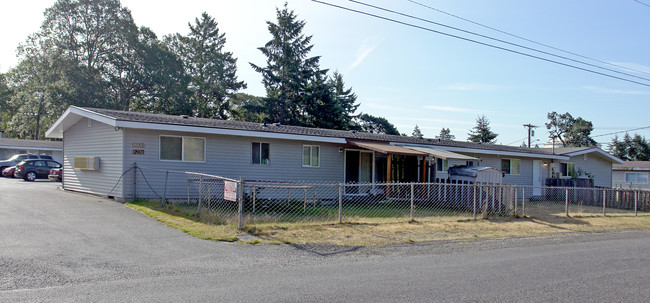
(90,53)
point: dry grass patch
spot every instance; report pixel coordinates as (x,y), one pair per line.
(398,230)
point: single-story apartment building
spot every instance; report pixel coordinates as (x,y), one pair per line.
(10,147)
(631,174)
(114,141)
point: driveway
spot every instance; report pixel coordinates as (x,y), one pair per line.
(60,246)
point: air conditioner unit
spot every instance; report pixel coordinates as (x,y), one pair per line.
(86,163)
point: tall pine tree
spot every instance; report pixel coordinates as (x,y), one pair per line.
(293,80)
(481,132)
(212,70)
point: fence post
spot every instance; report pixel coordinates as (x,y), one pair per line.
(636,198)
(165,188)
(135,177)
(516,192)
(474,215)
(240,208)
(198,209)
(254,198)
(604,202)
(340,203)
(566,201)
(412,200)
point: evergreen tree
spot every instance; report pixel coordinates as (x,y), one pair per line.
(417,133)
(245,107)
(634,148)
(292,79)
(212,71)
(373,124)
(445,134)
(335,106)
(481,132)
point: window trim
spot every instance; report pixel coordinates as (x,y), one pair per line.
(636,178)
(251,153)
(302,151)
(441,168)
(205,147)
(509,173)
(568,175)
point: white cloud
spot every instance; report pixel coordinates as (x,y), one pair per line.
(367,46)
(453,109)
(616,91)
(470,86)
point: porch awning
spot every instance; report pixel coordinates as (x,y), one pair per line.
(387,148)
(441,154)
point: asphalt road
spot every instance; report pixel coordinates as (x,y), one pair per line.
(57,246)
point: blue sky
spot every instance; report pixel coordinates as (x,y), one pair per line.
(411,76)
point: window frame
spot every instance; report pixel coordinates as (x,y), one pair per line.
(442,165)
(268,162)
(636,174)
(510,166)
(310,155)
(205,146)
(569,172)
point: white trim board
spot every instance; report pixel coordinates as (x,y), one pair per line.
(487,152)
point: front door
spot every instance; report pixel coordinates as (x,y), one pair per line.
(537,177)
(358,170)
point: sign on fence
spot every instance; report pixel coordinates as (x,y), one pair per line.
(230,190)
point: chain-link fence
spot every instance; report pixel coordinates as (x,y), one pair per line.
(221,200)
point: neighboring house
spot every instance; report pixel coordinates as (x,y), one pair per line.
(272,152)
(584,162)
(10,147)
(631,174)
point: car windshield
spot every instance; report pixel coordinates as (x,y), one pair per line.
(14,157)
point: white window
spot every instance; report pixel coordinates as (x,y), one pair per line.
(188,149)
(510,166)
(260,153)
(568,169)
(310,156)
(442,164)
(636,178)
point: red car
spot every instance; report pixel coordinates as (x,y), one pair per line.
(9,172)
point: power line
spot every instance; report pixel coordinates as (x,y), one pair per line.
(513,142)
(480,43)
(622,131)
(642,3)
(529,40)
(498,40)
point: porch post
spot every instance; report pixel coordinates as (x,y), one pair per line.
(424,169)
(388,174)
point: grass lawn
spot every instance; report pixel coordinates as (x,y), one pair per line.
(391,226)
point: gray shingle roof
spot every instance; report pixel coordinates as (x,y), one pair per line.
(297,130)
(35,144)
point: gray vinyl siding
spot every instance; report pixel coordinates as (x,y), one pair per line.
(226,156)
(94,140)
(600,168)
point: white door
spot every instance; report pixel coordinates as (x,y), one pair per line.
(537,177)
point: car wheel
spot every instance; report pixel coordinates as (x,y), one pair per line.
(30,176)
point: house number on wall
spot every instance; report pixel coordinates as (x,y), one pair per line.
(138,148)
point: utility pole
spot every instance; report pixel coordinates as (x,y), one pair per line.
(530,131)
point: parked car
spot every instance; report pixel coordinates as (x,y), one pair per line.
(30,170)
(9,171)
(15,159)
(56,174)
